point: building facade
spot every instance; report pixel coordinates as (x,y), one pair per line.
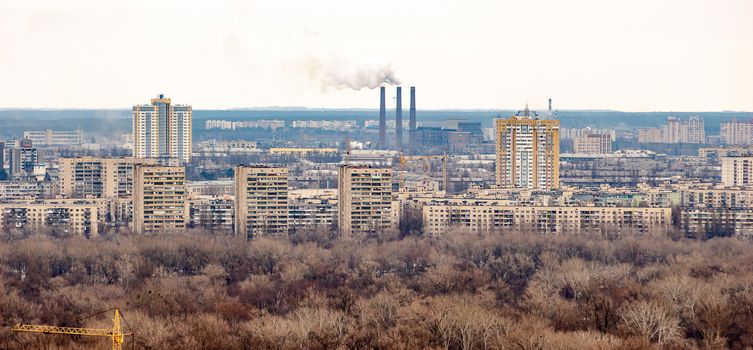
(79,218)
(736,132)
(162,130)
(55,138)
(737,171)
(593,144)
(261,200)
(528,152)
(675,131)
(439,217)
(95,177)
(364,200)
(159,198)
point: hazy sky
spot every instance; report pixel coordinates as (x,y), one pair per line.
(636,55)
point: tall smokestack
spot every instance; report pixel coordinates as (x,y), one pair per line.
(399,119)
(412,122)
(550,106)
(382,121)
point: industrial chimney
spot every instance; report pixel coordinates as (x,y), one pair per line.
(399,119)
(382,120)
(412,122)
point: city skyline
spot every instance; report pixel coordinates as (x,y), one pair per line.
(670,56)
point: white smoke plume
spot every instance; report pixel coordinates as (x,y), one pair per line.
(337,74)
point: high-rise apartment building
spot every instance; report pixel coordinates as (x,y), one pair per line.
(675,131)
(23,158)
(528,152)
(364,200)
(737,171)
(159,198)
(593,144)
(55,138)
(737,132)
(261,200)
(93,177)
(162,130)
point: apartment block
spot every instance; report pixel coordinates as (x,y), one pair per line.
(675,131)
(365,200)
(312,209)
(737,171)
(593,144)
(486,216)
(736,132)
(159,198)
(93,177)
(16,190)
(261,200)
(162,130)
(65,217)
(214,214)
(528,152)
(55,138)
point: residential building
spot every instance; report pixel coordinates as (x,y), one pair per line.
(364,200)
(737,132)
(16,190)
(96,177)
(261,200)
(439,217)
(572,133)
(55,138)
(528,152)
(162,130)
(23,159)
(737,171)
(214,214)
(593,144)
(159,198)
(80,218)
(675,131)
(312,209)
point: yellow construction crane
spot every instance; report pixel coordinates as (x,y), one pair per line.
(115,333)
(426,159)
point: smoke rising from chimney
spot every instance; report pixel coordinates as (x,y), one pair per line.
(337,74)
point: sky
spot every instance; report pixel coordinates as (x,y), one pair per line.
(636,55)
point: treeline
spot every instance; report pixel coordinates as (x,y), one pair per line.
(312,291)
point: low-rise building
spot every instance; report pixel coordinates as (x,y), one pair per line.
(438,217)
(80,218)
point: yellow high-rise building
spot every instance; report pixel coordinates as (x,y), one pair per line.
(528,152)
(162,130)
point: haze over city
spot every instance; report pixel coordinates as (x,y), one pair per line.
(332,175)
(587,54)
